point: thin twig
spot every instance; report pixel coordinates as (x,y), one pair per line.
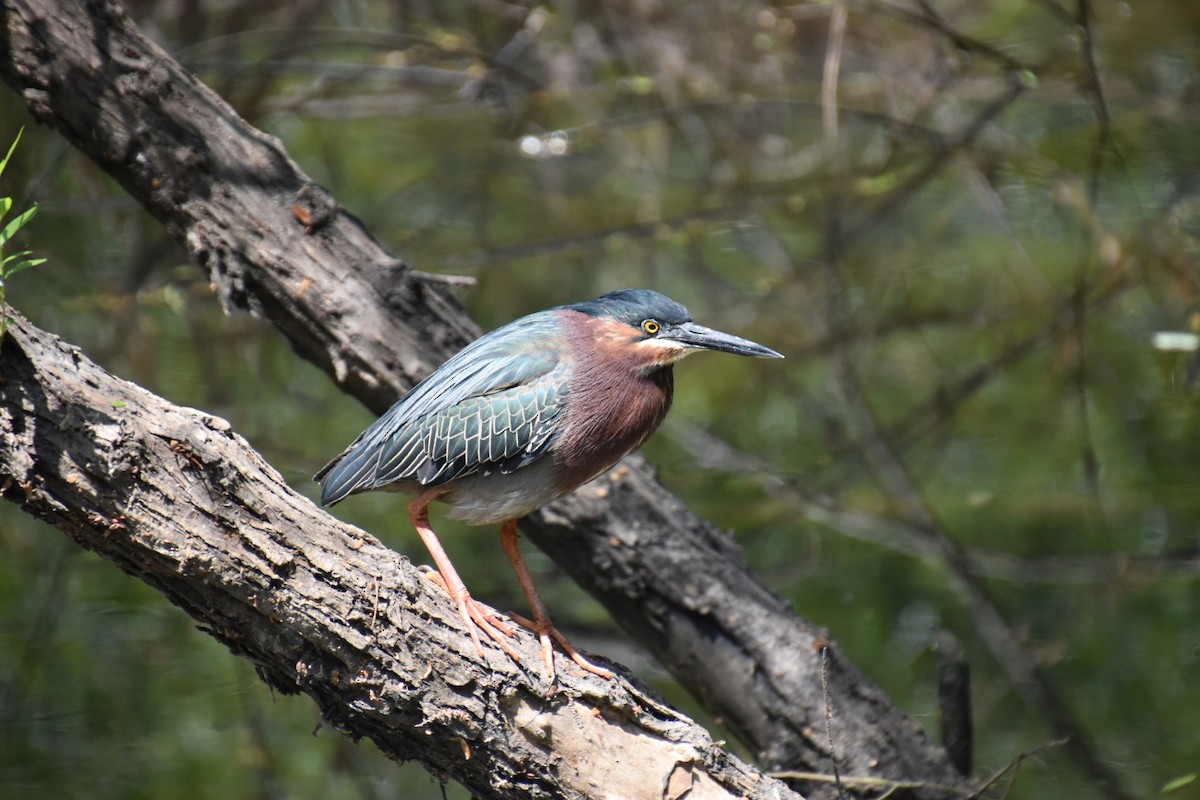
(1091,461)
(833,759)
(897,198)
(1014,766)
(1083,18)
(929,18)
(829,78)
(867,782)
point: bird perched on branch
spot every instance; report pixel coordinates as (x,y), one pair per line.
(521,417)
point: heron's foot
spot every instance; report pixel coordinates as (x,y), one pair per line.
(546,631)
(476,616)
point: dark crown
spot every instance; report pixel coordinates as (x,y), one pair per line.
(632,306)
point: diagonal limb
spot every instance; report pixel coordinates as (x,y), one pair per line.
(541,624)
(474,614)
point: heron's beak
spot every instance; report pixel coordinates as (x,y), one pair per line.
(690,334)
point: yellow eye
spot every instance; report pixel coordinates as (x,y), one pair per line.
(651,327)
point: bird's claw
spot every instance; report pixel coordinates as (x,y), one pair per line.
(476,615)
(546,631)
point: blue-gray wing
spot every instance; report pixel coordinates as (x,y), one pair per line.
(493,407)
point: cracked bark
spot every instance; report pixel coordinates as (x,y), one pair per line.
(176,498)
(279,246)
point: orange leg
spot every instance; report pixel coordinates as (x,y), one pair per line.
(541,624)
(474,614)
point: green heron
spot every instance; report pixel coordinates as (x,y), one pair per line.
(522,416)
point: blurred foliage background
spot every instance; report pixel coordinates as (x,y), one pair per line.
(965,246)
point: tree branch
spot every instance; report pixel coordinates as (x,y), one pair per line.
(177,499)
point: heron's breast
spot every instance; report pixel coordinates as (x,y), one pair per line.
(612,408)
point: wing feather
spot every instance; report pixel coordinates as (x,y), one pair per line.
(494,406)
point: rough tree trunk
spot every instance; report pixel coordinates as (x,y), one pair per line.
(229,194)
(175,498)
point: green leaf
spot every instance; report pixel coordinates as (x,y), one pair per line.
(1178,783)
(5,205)
(4,163)
(8,259)
(18,222)
(20,265)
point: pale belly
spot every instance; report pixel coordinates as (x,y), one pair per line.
(477,500)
